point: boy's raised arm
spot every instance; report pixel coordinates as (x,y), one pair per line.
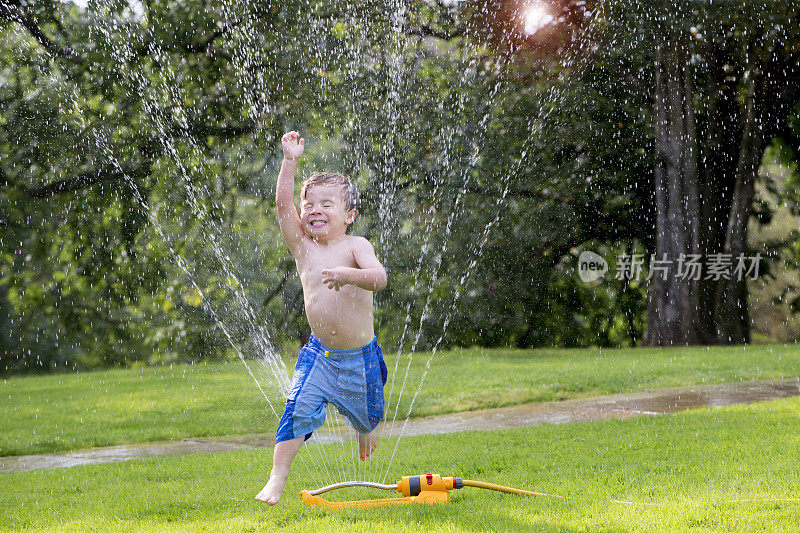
(288,219)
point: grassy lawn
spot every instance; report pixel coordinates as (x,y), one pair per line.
(73,411)
(688,464)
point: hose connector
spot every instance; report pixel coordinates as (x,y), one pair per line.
(415,485)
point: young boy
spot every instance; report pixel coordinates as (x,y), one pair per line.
(342,363)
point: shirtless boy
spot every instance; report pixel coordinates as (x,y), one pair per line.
(342,363)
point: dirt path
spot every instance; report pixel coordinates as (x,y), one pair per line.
(644,403)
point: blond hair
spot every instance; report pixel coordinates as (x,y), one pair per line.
(349,193)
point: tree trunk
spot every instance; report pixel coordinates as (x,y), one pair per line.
(723,132)
(772,91)
(731,306)
(672,299)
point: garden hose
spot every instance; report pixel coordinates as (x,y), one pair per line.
(501,488)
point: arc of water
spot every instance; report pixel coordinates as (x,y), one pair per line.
(103,145)
(397,87)
(100,142)
(155,112)
(466,172)
(423,317)
(398,81)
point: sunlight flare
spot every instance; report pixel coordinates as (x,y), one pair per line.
(535,18)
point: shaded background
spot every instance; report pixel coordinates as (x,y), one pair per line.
(139,150)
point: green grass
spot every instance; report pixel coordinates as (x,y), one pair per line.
(688,464)
(73,411)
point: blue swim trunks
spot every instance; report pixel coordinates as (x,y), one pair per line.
(352,380)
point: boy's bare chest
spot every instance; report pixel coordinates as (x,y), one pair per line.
(315,259)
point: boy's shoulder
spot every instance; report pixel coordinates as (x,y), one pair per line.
(357,240)
(359,244)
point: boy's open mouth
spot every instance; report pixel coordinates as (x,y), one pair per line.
(317,223)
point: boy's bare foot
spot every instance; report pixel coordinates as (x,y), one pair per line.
(272,491)
(366,444)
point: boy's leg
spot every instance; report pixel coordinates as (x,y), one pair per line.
(305,412)
(367,444)
(282,458)
(370,408)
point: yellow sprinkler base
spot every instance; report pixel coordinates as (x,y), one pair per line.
(428,488)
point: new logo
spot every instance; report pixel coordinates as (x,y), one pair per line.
(591,266)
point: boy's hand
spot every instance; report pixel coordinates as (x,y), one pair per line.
(293,145)
(336,277)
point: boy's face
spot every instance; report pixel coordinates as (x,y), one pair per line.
(323,214)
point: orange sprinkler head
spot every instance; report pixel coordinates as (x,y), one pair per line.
(415,486)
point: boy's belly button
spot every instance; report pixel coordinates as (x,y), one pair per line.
(333,332)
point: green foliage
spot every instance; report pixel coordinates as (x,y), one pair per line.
(138,155)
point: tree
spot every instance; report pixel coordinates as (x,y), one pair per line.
(726,83)
(717,82)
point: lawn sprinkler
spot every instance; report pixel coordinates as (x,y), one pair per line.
(428,488)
